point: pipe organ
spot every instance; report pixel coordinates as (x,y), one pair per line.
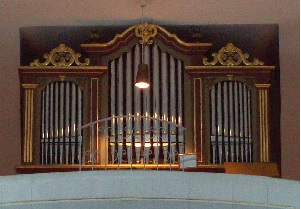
(59,101)
(229,105)
(163,101)
(223,104)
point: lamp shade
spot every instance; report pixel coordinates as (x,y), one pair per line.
(142,78)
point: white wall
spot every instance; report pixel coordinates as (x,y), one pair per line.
(146,189)
(15,14)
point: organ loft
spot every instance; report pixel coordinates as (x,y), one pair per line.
(204,106)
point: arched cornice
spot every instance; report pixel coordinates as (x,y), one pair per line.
(147,32)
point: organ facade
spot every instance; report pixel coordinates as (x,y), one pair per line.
(86,111)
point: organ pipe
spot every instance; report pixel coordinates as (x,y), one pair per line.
(230,122)
(166,103)
(61,114)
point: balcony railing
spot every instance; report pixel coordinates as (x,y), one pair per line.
(133,141)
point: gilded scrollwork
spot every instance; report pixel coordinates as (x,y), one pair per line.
(146,32)
(61,56)
(231,56)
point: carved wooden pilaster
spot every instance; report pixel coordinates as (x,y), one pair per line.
(264,138)
(28,101)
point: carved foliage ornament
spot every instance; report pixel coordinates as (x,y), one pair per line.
(231,56)
(61,56)
(146,32)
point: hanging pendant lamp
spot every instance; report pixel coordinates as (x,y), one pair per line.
(142,76)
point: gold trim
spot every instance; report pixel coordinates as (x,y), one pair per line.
(31,125)
(260,126)
(76,167)
(28,125)
(194,116)
(202,67)
(264,125)
(258,71)
(146,31)
(201,118)
(61,56)
(62,71)
(29,86)
(62,77)
(267,127)
(25,128)
(155,32)
(115,39)
(69,68)
(97,124)
(174,36)
(229,77)
(91,119)
(231,56)
(263,85)
(216,68)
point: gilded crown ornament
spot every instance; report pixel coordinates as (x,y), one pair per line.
(146,32)
(231,56)
(61,56)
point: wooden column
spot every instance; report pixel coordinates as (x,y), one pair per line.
(264,138)
(28,110)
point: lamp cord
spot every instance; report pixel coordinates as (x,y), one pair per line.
(142,23)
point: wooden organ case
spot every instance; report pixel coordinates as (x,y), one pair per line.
(223,103)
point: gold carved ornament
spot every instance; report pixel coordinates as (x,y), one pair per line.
(146,32)
(61,56)
(231,56)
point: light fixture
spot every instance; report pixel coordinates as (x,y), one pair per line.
(142,76)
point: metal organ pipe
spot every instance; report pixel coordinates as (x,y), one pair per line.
(137,92)
(61,114)
(163,100)
(146,111)
(129,84)
(230,122)
(113,104)
(180,106)
(120,109)
(164,106)
(156,103)
(172,95)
